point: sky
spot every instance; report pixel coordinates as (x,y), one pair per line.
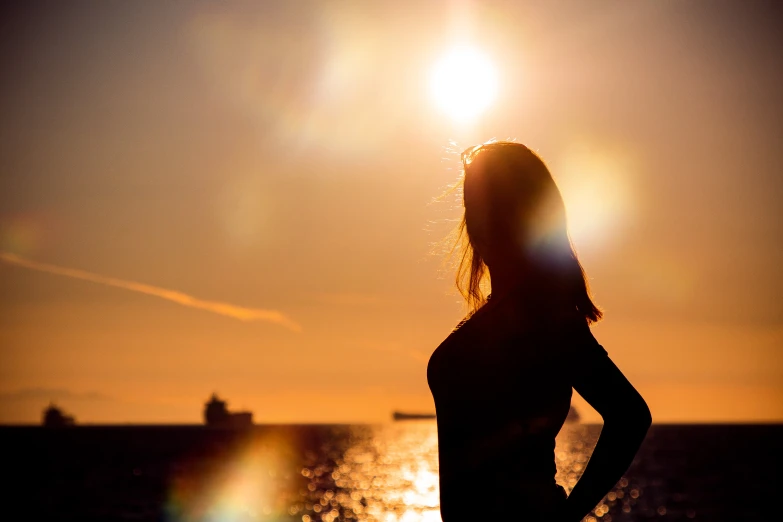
(243,198)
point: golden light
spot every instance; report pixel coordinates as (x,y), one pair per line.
(464,83)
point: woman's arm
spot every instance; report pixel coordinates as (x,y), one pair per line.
(626,421)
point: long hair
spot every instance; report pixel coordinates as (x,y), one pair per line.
(514,209)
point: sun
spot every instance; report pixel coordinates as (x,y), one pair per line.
(464,83)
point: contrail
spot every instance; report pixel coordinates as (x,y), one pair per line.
(227,309)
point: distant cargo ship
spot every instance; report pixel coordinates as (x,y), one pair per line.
(402,416)
(216,415)
(54,417)
(573,416)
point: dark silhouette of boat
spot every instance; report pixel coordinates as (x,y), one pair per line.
(216,415)
(403,416)
(54,417)
(573,416)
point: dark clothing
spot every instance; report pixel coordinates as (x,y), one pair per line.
(502,389)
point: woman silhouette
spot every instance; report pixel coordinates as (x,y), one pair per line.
(502,379)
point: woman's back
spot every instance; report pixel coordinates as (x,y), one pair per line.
(502,390)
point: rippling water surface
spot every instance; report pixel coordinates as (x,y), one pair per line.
(383,473)
(371,473)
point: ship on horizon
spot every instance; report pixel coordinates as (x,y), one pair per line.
(573,416)
(402,416)
(55,417)
(217,415)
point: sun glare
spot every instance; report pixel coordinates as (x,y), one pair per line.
(464,83)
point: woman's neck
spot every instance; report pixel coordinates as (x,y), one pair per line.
(509,277)
(505,279)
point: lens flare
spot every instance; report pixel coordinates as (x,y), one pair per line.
(25,234)
(596,185)
(329,90)
(251,483)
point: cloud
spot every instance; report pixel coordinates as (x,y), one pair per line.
(230,310)
(46,394)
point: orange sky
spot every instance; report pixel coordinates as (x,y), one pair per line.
(196,162)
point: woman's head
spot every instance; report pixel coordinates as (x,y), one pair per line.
(515,222)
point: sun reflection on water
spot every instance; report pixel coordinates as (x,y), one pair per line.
(385,473)
(394,473)
(390,474)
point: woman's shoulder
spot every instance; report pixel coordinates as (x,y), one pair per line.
(447,352)
(457,335)
(463,336)
(575,338)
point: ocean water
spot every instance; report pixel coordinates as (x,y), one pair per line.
(335,473)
